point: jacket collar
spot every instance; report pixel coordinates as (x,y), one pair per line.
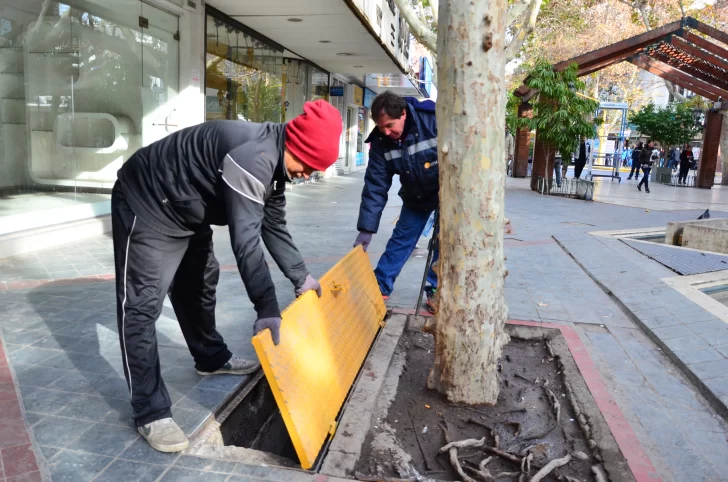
(280,132)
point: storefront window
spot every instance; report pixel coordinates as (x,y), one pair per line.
(244,76)
(82,87)
(319,85)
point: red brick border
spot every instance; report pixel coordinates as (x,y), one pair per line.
(630,446)
(18,459)
(639,463)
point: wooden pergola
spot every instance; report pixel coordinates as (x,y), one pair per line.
(683,52)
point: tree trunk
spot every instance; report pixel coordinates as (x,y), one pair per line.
(469,334)
(724,149)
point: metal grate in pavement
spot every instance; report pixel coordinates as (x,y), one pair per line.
(682,261)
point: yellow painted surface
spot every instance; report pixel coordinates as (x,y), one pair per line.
(324,342)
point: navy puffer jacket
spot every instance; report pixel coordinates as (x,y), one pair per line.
(413,158)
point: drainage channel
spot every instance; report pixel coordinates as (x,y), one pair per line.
(252,420)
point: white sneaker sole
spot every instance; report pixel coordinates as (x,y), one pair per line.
(167,448)
(223,371)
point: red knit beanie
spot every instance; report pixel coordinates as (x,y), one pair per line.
(313,137)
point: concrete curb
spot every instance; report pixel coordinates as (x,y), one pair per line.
(713,398)
(374,390)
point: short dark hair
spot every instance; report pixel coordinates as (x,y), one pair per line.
(388,103)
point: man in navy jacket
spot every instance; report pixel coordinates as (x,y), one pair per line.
(403,143)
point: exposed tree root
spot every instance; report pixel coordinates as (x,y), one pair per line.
(453,451)
(548,468)
(461,444)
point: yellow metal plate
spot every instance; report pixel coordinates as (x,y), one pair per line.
(323,344)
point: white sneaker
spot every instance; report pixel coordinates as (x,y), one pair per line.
(164,435)
(235,366)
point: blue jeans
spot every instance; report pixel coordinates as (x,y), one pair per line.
(406,233)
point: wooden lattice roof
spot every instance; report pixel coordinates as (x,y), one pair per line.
(683,52)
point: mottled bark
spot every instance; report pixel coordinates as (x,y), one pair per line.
(469,334)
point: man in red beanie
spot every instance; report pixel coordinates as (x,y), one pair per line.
(165,199)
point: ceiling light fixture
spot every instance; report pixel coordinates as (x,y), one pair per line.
(358,66)
(325,41)
(295,20)
(345,54)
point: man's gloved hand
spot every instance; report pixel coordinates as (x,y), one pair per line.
(363,239)
(308,285)
(273,324)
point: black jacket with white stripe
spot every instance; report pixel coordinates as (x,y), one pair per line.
(222,173)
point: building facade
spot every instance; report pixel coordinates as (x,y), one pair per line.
(84,84)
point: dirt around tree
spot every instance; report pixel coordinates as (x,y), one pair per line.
(518,437)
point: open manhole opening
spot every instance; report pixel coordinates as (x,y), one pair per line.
(256,423)
(718,293)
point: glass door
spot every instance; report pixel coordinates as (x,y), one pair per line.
(160,73)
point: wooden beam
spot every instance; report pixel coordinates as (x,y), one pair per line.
(666,72)
(708,30)
(703,54)
(619,49)
(676,73)
(702,72)
(704,44)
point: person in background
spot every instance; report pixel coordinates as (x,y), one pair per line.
(648,156)
(686,162)
(581,159)
(636,152)
(674,158)
(403,143)
(558,162)
(510,151)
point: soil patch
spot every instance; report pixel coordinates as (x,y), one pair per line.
(522,425)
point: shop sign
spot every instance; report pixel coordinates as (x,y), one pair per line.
(337,91)
(358,95)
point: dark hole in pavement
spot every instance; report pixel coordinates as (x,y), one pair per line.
(256,423)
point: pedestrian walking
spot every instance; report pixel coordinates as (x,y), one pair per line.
(164,202)
(674,158)
(648,157)
(581,159)
(636,152)
(404,143)
(558,162)
(510,151)
(686,162)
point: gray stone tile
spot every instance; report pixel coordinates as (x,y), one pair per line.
(48,452)
(661,321)
(125,470)
(652,313)
(140,451)
(113,387)
(698,355)
(701,421)
(189,419)
(46,401)
(668,332)
(25,337)
(90,407)
(105,440)
(695,316)
(711,369)
(719,385)
(176,474)
(225,383)
(57,342)
(272,473)
(202,398)
(76,466)
(205,464)
(32,418)
(78,382)
(685,342)
(723,349)
(33,356)
(628,377)
(183,378)
(708,326)
(58,431)
(716,337)
(37,376)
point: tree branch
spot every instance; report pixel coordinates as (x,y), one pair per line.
(514,48)
(435,6)
(422,32)
(517,10)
